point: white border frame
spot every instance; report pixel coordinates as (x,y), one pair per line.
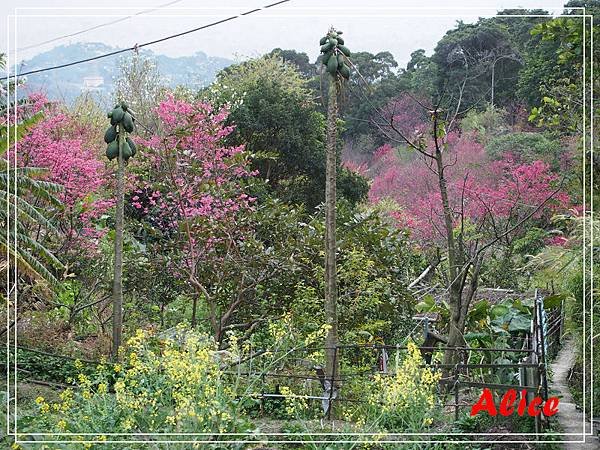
(266,436)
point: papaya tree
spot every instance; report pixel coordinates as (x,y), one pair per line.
(334,59)
(122,148)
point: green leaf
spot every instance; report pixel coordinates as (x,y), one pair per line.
(554,301)
(427,304)
(499,310)
(519,323)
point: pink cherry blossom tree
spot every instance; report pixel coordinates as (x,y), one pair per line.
(56,144)
(451,195)
(199,183)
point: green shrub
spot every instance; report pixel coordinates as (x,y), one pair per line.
(164,385)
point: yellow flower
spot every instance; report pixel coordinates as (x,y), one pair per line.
(78,364)
(171,420)
(82,378)
(127,424)
(102,388)
(39,400)
(117,368)
(62,425)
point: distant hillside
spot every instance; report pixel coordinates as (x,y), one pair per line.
(194,71)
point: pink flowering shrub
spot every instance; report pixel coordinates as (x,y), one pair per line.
(478,188)
(198,186)
(56,145)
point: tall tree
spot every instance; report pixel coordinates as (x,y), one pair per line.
(468,237)
(275,118)
(122,148)
(335,55)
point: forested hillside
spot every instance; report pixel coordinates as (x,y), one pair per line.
(343,246)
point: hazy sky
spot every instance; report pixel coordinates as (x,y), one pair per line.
(398,26)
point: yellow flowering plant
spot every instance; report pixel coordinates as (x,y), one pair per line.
(160,385)
(404,400)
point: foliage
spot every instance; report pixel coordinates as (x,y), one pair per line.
(488,123)
(53,369)
(166,385)
(403,401)
(299,59)
(558,102)
(377,81)
(373,269)
(472,52)
(528,147)
(275,118)
(33,194)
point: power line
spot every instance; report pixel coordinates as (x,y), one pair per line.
(95,27)
(145,44)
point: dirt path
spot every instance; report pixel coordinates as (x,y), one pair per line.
(570,418)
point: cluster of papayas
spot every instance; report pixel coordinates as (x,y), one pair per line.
(335,54)
(120,116)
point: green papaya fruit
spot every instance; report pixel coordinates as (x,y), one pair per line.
(340,41)
(127,153)
(110,135)
(326,47)
(344,50)
(117,114)
(326,57)
(124,106)
(333,41)
(112,150)
(332,65)
(128,122)
(323,40)
(109,114)
(132,146)
(340,60)
(344,71)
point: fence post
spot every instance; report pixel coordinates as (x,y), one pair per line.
(262,394)
(542,343)
(332,383)
(456,398)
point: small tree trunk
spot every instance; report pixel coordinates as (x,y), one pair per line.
(455,333)
(331,341)
(117,294)
(194,309)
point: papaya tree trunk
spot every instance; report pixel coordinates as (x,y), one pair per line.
(331,341)
(117,293)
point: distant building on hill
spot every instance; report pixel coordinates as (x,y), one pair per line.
(95,83)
